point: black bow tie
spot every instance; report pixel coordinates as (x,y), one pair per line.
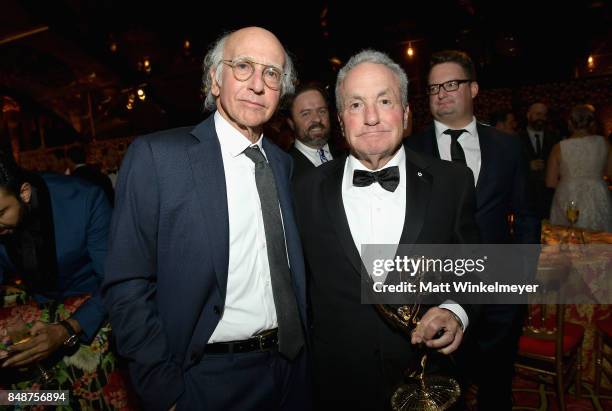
(388,178)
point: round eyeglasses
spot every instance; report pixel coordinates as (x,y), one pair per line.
(451,85)
(243,69)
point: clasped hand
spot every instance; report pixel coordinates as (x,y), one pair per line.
(44,340)
(438,329)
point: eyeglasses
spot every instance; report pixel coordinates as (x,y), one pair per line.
(451,85)
(243,69)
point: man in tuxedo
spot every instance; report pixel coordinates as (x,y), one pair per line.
(399,197)
(537,143)
(309,120)
(205,275)
(499,170)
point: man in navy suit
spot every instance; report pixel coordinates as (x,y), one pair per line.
(499,170)
(206,296)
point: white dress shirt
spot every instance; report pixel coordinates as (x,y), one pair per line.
(249,302)
(468,141)
(312,154)
(376,216)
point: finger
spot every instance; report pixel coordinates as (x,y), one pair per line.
(454,345)
(18,359)
(26,361)
(38,327)
(416,338)
(431,329)
(26,345)
(443,341)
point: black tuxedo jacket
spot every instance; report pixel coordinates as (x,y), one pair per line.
(548,141)
(502,187)
(358,358)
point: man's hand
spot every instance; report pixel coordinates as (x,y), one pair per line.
(435,320)
(537,165)
(46,339)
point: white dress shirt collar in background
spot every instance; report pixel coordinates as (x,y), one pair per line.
(312,154)
(469,143)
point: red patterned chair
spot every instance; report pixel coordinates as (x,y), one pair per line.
(604,339)
(550,347)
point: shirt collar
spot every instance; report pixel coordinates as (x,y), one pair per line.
(303,147)
(441,128)
(232,141)
(352,164)
(532,133)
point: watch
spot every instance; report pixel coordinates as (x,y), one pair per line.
(72,339)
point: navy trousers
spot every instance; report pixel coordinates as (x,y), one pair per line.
(247,381)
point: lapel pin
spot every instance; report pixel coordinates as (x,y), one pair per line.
(420,174)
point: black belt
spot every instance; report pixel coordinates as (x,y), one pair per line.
(268,340)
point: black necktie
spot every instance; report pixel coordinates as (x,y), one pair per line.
(538,139)
(388,178)
(290,336)
(457,154)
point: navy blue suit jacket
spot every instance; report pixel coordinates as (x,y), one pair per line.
(501,188)
(81,218)
(166,273)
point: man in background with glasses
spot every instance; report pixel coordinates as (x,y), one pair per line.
(500,169)
(205,276)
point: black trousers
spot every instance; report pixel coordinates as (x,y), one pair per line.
(497,336)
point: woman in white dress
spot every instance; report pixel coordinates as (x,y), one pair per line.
(576,169)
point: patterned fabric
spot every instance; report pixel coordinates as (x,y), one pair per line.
(89,373)
(585,315)
(582,163)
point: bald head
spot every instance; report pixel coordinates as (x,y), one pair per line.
(537,116)
(252,40)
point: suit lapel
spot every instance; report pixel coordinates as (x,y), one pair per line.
(209,179)
(418,192)
(431,143)
(332,198)
(486,154)
(528,144)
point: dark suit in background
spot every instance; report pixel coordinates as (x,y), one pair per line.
(541,196)
(501,190)
(95,176)
(301,164)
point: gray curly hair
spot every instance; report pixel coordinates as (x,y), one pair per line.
(213,60)
(375,57)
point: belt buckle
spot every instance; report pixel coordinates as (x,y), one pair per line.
(260,340)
